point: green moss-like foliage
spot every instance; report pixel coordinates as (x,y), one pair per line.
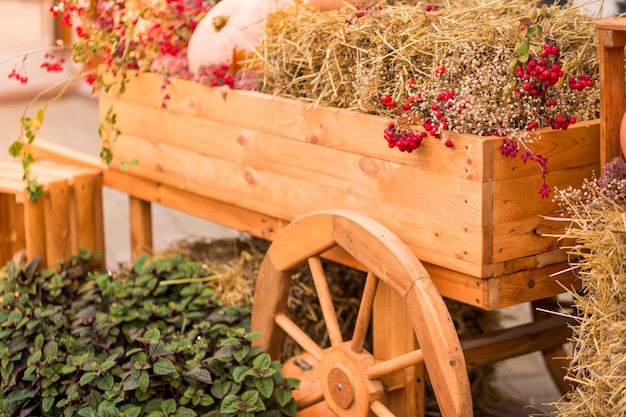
(125,343)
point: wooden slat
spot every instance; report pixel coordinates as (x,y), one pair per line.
(7,226)
(35,228)
(464,160)
(509,343)
(248,188)
(140,216)
(89,218)
(576,147)
(612,101)
(393,337)
(279,160)
(535,284)
(613,30)
(57,222)
(517,198)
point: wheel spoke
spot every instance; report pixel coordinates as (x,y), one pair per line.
(365,313)
(310,400)
(299,336)
(326,301)
(380,410)
(399,362)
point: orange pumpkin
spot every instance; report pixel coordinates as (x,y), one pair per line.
(230,25)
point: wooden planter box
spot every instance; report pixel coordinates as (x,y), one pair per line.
(470,214)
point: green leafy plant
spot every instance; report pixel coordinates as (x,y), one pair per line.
(130,343)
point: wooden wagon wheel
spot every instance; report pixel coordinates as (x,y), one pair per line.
(351,378)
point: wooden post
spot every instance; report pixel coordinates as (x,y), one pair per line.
(611,42)
(140,214)
(394,336)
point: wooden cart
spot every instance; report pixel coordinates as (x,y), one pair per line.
(464,223)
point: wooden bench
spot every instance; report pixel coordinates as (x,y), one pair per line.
(68,217)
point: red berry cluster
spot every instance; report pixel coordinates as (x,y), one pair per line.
(537,75)
(581,82)
(400,136)
(361,11)
(52,63)
(429,7)
(509,147)
(439,121)
(388,101)
(404,139)
(560,122)
(217,76)
(18,77)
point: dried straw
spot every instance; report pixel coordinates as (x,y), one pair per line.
(318,56)
(598,368)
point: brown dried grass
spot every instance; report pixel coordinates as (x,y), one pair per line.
(317,56)
(598,366)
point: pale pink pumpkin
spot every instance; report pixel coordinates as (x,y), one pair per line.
(238,25)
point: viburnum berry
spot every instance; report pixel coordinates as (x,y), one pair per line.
(388,101)
(404,139)
(581,82)
(509,147)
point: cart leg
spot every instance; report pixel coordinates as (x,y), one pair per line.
(390,318)
(556,357)
(140,215)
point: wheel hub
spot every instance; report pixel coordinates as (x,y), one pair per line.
(347,390)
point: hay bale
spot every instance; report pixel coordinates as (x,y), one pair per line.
(338,59)
(598,366)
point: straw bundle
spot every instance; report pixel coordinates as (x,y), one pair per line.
(337,59)
(598,368)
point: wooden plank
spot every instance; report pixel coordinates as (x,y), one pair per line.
(46,150)
(576,147)
(613,31)
(536,284)
(517,198)
(519,225)
(612,100)
(35,228)
(393,335)
(57,222)
(89,217)
(7,226)
(18,222)
(504,344)
(452,241)
(464,160)
(479,292)
(140,216)
(361,176)
(260,225)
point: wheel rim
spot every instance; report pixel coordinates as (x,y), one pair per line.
(351,377)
